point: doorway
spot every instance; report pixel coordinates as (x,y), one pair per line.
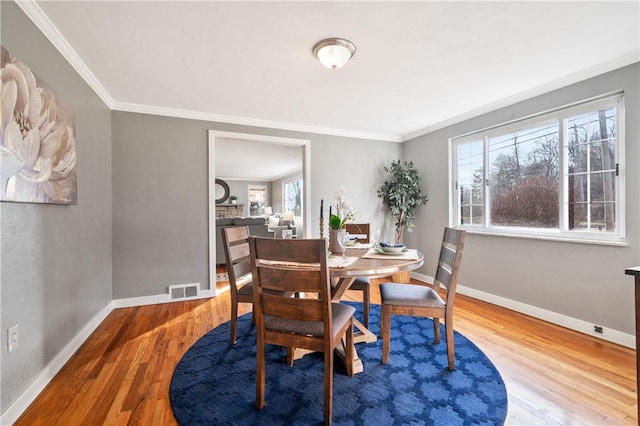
(214,136)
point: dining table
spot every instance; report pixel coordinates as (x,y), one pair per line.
(365,261)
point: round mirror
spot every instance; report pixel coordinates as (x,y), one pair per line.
(222,191)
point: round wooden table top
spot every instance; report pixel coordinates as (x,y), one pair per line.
(375,267)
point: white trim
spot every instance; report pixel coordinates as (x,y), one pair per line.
(47,374)
(595,71)
(41,20)
(247,121)
(571,323)
(18,407)
(584,327)
(306,172)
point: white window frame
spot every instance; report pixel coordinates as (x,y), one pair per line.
(559,115)
(285,200)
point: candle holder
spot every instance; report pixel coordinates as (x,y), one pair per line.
(321,228)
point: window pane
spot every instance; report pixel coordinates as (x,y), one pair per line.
(524,177)
(470,182)
(578,216)
(465,195)
(476,215)
(465,215)
(591,172)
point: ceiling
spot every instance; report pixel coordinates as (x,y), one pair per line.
(419,65)
(255,160)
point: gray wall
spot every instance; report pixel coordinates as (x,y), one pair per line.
(56,260)
(160,214)
(583,281)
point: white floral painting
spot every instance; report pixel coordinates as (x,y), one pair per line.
(37,139)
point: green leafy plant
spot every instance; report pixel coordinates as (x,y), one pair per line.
(401,193)
(233,197)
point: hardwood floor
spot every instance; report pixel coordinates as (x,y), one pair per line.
(121,375)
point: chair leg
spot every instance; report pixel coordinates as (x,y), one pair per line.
(260,374)
(366,305)
(385,331)
(290,355)
(234,324)
(328,387)
(436,330)
(451,357)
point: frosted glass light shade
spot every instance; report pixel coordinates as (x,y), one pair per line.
(268,210)
(334,52)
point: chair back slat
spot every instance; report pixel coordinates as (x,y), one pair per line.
(361,230)
(235,241)
(289,280)
(292,308)
(449,261)
(300,251)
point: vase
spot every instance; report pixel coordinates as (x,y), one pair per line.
(334,245)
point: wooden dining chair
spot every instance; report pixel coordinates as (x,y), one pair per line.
(423,301)
(313,322)
(362,284)
(235,241)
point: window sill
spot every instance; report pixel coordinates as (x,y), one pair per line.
(550,237)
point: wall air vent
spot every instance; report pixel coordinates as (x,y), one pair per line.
(184,291)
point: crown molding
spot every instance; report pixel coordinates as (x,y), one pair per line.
(222,118)
(612,65)
(38,17)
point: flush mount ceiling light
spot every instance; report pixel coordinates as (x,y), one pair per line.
(334,52)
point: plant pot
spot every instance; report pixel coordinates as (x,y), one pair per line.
(334,245)
(234,201)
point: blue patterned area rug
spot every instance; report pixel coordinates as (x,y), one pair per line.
(214,383)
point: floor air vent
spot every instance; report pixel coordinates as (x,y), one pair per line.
(184,291)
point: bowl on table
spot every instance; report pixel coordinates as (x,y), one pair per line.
(392,248)
(352,241)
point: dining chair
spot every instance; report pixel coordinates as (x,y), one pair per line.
(235,241)
(311,322)
(423,301)
(362,283)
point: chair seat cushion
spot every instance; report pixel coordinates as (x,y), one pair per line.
(340,315)
(410,295)
(246,289)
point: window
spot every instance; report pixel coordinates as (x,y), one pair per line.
(555,174)
(257,199)
(292,195)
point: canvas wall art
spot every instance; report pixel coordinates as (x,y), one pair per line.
(37,138)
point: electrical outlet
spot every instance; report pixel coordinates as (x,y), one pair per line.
(12,338)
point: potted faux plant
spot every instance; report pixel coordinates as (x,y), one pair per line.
(233,198)
(401,193)
(343,214)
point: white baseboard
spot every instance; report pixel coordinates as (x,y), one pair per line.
(18,407)
(47,374)
(608,334)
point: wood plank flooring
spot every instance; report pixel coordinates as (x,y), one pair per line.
(554,376)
